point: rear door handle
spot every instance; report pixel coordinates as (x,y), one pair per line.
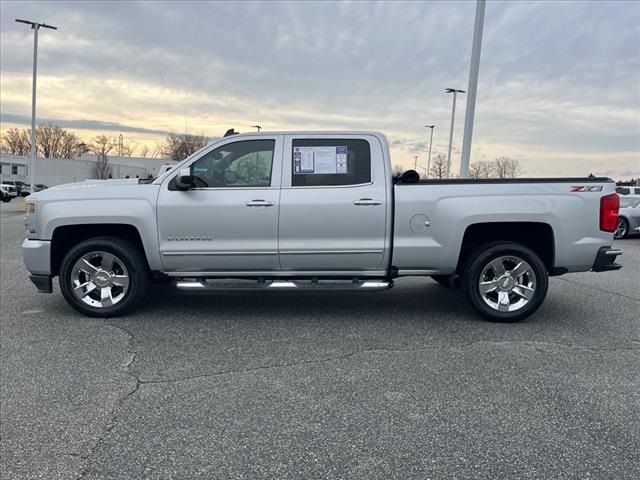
(259,203)
(367,201)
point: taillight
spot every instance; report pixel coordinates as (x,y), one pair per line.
(609,208)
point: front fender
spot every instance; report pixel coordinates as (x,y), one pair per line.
(139,213)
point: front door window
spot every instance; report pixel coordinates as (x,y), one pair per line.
(239,164)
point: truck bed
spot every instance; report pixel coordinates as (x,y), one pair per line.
(432,217)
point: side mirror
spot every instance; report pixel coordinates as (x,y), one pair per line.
(184,180)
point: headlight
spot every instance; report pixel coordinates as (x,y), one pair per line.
(29,208)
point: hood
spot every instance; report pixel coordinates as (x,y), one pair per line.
(95,181)
(91,189)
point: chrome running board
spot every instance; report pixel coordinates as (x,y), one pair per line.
(221,285)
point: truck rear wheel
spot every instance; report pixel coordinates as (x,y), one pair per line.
(103,276)
(505,281)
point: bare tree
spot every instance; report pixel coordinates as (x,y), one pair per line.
(179,146)
(439,167)
(397,170)
(102,146)
(16,141)
(128,148)
(70,147)
(48,139)
(144,151)
(480,170)
(51,142)
(157,151)
(55,142)
(149,152)
(506,167)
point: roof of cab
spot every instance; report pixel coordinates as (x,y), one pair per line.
(311,132)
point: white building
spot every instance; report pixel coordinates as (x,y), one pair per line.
(56,171)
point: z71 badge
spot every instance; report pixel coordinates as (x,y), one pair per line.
(586,188)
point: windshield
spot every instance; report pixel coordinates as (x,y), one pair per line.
(629,202)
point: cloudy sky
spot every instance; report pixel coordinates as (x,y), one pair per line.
(559,82)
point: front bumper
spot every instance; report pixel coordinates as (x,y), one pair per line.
(42,282)
(37,259)
(606,260)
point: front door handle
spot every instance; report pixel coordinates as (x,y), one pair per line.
(259,203)
(367,201)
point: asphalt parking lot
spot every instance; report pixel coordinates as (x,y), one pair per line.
(407,383)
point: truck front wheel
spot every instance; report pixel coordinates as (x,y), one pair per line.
(505,281)
(103,276)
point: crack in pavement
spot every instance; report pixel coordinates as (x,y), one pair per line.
(532,344)
(113,414)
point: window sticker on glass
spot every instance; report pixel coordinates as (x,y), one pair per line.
(320,160)
(341,159)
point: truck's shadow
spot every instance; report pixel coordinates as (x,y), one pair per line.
(420,303)
(407,299)
(419,300)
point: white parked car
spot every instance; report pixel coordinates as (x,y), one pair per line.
(9,190)
(26,189)
(5,196)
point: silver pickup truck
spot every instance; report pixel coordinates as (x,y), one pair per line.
(317,211)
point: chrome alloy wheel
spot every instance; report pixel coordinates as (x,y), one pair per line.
(507,283)
(99,279)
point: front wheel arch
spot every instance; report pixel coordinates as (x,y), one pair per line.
(65,237)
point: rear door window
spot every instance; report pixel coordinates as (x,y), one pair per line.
(330,162)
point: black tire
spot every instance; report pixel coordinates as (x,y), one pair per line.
(132,258)
(6,199)
(449,281)
(476,263)
(622,229)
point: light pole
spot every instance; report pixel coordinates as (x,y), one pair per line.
(430,143)
(259,127)
(473,88)
(35,27)
(415,162)
(453,116)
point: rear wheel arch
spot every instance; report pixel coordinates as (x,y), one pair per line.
(537,236)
